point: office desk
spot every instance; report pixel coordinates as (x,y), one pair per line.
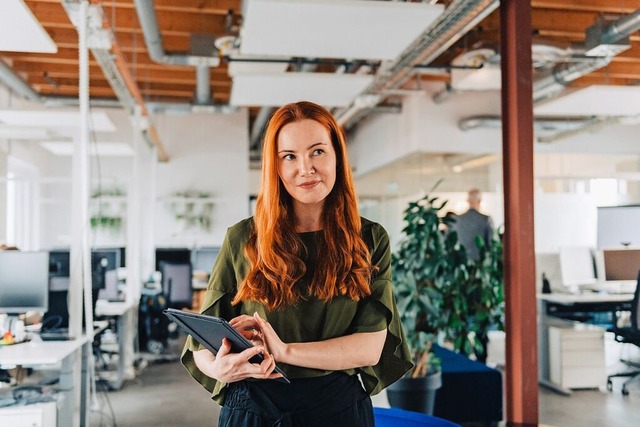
(124,313)
(74,376)
(553,307)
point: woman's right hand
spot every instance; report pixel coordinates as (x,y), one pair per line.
(229,367)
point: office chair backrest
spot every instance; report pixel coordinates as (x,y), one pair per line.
(176,284)
(635,306)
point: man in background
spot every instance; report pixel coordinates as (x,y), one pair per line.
(472,223)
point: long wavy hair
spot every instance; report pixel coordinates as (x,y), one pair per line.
(274,249)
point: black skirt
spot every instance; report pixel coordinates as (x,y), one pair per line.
(333,400)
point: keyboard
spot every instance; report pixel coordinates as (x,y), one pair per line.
(56,335)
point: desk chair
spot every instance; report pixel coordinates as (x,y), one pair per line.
(629,335)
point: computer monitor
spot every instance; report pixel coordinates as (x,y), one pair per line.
(59,263)
(577,267)
(24,282)
(202,259)
(172,256)
(103,260)
(621,264)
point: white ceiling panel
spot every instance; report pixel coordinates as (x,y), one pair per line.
(20,31)
(355,29)
(595,100)
(99,121)
(102,149)
(329,90)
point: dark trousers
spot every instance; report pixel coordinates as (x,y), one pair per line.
(333,400)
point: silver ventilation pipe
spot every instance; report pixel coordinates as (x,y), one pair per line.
(149,22)
(153,39)
(622,28)
(542,123)
(556,79)
(607,39)
(457,20)
(17,83)
(203,88)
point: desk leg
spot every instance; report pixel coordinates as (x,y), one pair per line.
(125,349)
(543,343)
(85,380)
(69,405)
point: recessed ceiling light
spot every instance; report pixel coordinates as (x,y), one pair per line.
(20,31)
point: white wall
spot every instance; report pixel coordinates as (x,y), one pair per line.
(208,153)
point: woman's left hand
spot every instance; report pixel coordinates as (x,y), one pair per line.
(271,339)
(249,328)
(260,332)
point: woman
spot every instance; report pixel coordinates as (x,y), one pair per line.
(308,281)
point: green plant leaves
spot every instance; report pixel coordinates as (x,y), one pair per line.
(438,288)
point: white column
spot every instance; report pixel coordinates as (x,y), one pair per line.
(80,264)
(3,194)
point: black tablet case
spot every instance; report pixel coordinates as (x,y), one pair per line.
(209,331)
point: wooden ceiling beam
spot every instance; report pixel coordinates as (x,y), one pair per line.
(601,78)
(45,89)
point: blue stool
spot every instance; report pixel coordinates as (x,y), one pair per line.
(394,417)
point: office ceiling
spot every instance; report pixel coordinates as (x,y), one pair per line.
(189,27)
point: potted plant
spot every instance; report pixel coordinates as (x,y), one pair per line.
(440,290)
(419,266)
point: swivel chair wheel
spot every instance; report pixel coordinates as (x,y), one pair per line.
(609,385)
(625,392)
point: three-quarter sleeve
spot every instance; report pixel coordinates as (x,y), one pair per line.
(379,311)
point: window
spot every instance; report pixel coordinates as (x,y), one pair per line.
(22,205)
(605,191)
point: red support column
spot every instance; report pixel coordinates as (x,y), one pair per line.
(519,270)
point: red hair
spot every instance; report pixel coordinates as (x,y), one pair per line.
(274,248)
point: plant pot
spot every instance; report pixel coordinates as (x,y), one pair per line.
(415,394)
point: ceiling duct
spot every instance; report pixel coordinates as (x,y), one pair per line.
(457,20)
(198,58)
(17,84)
(107,53)
(604,37)
(540,123)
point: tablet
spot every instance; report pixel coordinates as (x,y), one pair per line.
(209,331)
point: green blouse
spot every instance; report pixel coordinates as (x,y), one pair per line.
(311,319)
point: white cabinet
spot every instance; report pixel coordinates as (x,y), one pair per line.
(36,415)
(576,356)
